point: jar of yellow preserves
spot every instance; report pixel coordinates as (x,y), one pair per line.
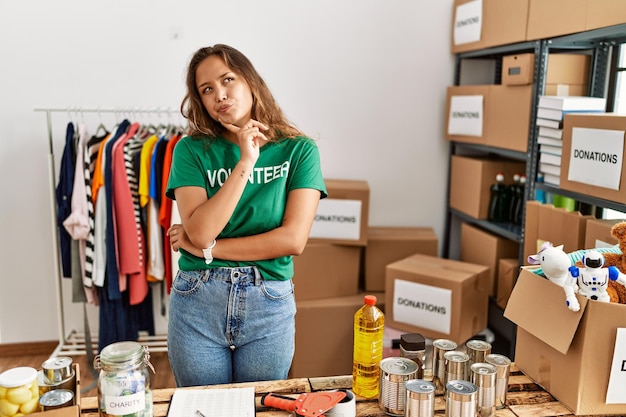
(19,392)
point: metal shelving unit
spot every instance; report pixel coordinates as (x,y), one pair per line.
(601,44)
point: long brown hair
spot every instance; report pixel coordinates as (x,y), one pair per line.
(264,107)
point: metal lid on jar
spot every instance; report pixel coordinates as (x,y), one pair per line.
(57,369)
(412,341)
(121,352)
(17,377)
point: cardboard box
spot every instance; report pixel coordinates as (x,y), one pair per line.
(471,179)
(498,116)
(566,90)
(508,117)
(563,69)
(312,278)
(497,22)
(325,336)
(71,411)
(585,175)
(598,233)
(546,223)
(389,244)
(508,270)
(518,69)
(568,69)
(551,18)
(568,353)
(437,297)
(481,247)
(343,217)
(603,13)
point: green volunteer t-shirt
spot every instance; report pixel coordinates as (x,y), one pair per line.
(282,166)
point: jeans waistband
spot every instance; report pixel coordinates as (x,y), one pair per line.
(236,275)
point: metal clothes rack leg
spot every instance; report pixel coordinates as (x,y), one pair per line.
(75,342)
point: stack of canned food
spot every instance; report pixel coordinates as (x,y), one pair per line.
(473,380)
(24,390)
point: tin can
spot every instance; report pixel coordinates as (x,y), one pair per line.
(477,350)
(503,368)
(394,372)
(440,347)
(124,382)
(57,373)
(56,398)
(484,377)
(460,399)
(420,398)
(456,366)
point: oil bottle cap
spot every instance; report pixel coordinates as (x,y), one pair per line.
(412,341)
(370,300)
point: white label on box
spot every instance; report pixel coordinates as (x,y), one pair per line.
(596,157)
(337,219)
(616,392)
(468,22)
(466,116)
(422,305)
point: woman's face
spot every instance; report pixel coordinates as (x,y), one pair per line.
(225,95)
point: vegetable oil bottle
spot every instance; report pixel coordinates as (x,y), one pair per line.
(369,323)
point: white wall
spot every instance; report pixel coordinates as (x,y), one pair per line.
(365,77)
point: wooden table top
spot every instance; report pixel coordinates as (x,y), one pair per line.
(524,397)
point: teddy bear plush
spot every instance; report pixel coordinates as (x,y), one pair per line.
(616,291)
(618,231)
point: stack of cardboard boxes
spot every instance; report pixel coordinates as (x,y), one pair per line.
(400,265)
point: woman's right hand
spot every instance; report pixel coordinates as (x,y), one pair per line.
(249,137)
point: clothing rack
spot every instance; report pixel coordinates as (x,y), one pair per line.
(75,342)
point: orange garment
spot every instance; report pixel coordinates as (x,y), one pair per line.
(97,180)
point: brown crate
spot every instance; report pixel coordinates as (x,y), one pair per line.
(71,411)
(600,121)
(389,244)
(568,353)
(481,247)
(471,179)
(437,297)
(324,229)
(324,336)
(603,13)
(503,22)
(551,18)
(312,278)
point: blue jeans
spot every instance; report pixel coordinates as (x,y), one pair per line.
(229,325)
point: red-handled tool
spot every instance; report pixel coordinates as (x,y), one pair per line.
(309,404)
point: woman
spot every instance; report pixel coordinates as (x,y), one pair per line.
(247,185)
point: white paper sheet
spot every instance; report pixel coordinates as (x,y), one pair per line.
(596,157)
(616,392)
(227,402)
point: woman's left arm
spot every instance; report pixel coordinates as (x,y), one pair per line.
(289,238)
